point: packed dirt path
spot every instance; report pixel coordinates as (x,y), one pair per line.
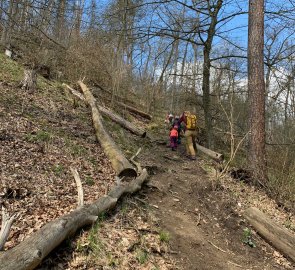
(205,226)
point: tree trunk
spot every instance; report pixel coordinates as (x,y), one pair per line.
(120,164)
(256,88)
(195,71)
(174,80)
(122,122)
(206,96)
(60,20)
(28,254)
(182,88)
(1,9)
(79,7)
(288,86)
(30,80)
(7,25)
(206,69)
(277,236)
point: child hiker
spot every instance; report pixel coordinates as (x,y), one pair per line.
(173,138)
(180,130)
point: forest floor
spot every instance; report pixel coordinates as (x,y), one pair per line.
(183,218)
(204,216)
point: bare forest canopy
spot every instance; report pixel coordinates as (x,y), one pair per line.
(157,49)
(171,55)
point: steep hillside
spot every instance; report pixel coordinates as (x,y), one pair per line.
(42,135)
(185,218)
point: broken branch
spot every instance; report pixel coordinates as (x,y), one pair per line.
(79,186)
(5,227)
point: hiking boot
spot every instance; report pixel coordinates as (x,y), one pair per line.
(191,157)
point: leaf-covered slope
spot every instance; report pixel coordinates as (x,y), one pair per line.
(41,136)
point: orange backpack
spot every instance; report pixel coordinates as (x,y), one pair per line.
(173,133)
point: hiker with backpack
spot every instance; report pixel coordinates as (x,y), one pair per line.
(190,133)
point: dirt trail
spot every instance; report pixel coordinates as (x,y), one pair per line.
(205,227)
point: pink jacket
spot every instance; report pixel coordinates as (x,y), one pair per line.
(173,133)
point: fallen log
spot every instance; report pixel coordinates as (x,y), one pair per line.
(122,122)
(277,236)
(28,254)
(5,227)
(216,156)
(114,117)
(124,101)
(119,98)
(119,162)
(135,111)
(74,92)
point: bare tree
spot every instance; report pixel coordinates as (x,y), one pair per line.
(60,20)
(213,13)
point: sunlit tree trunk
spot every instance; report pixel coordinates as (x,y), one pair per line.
(256,88)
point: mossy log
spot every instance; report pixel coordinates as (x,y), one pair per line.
(29,254)
(279,237)
(119,162)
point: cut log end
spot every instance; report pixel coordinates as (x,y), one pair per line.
(219,157)
(214,155)
(128,172)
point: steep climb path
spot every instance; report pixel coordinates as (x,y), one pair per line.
(202,217)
